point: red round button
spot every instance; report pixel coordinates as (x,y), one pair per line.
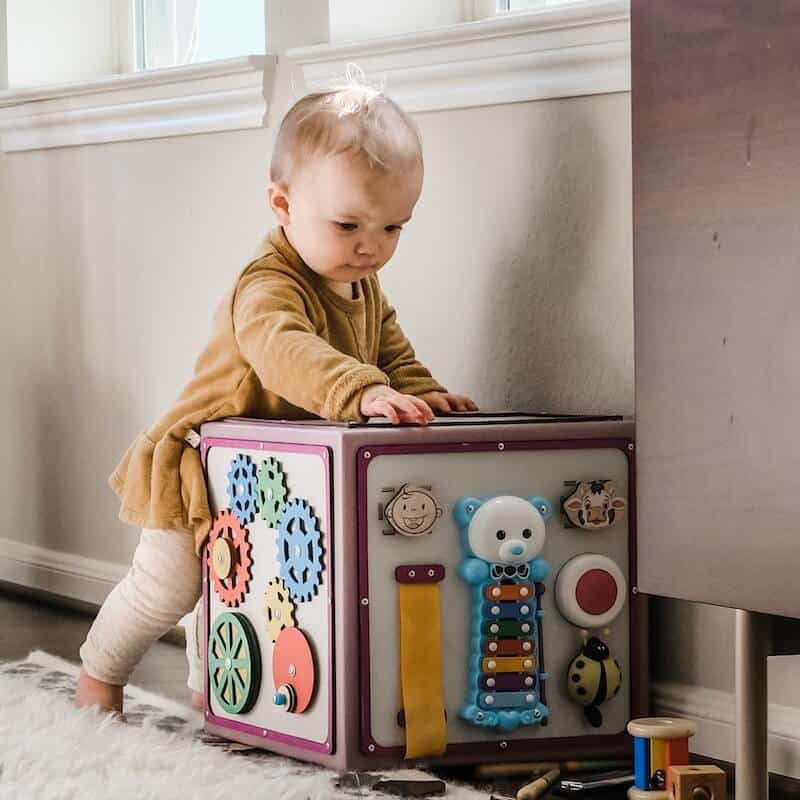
(596,591)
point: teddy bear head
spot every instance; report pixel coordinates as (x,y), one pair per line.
(505,529)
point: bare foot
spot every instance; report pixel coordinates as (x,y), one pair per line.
(198,701)
(91,692)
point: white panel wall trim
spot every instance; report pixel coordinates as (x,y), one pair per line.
(539,55)
(64,574)
(715,714)
(219,96)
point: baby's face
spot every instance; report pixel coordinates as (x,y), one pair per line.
(344,219)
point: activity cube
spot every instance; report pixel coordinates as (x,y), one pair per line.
(464,592)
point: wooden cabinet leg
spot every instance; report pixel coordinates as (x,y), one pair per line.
(752,648)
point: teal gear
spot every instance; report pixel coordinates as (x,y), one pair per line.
(234,662)
(272,491)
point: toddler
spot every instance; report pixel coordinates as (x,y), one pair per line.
(304,332)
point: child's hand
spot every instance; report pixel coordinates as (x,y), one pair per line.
(382,401)
(448,403)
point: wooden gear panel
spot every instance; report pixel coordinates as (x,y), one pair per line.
(268,592)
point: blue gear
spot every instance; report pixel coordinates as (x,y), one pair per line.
(300,550)
(243,489)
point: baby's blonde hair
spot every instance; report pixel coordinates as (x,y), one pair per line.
(352,119)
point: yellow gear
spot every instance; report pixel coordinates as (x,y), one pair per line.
(278,608)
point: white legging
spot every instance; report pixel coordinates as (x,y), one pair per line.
(162,585)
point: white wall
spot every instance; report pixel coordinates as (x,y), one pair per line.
(513,281)
(67,49)
(356,19)
(3,48)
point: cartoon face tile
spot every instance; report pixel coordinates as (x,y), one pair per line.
(594,504)
(413,511)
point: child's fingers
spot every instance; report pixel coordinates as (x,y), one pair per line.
(386,409)
(409,410)
(461,403)
(438,402)
(423,408)
(441,403)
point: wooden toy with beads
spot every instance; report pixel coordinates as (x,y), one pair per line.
(658,744)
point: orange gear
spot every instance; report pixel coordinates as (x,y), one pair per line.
(233,587)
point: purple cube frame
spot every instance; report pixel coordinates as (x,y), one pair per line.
(350,745)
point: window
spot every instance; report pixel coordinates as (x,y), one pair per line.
(83,40)
(171,33)
(158,68)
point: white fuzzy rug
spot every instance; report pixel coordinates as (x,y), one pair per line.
(51,751)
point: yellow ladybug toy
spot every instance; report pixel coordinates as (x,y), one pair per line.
(593,677)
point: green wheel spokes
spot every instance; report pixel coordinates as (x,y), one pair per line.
(234,662)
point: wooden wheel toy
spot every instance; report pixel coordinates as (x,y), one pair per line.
(234,663)
(293,671)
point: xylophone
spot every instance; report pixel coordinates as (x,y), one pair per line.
(503,537)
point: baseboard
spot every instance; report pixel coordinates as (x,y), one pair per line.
(715,714)
(87,580)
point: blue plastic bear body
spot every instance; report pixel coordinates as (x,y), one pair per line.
(502,537)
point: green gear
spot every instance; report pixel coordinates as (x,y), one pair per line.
(272,491)
(234,662)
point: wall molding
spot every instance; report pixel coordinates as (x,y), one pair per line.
(202,98)
(65,574)
(537,55)
(715,714)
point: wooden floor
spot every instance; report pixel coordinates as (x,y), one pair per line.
(38,623)
(34,623)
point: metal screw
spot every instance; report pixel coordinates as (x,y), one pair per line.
(635,590)
(264,732)
(371,748)
(365,601)
(431,573)
(412,573)
(367,454)
(501,446)
(503,745)
(630,446)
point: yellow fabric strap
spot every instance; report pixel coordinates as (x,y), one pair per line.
(421,669)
